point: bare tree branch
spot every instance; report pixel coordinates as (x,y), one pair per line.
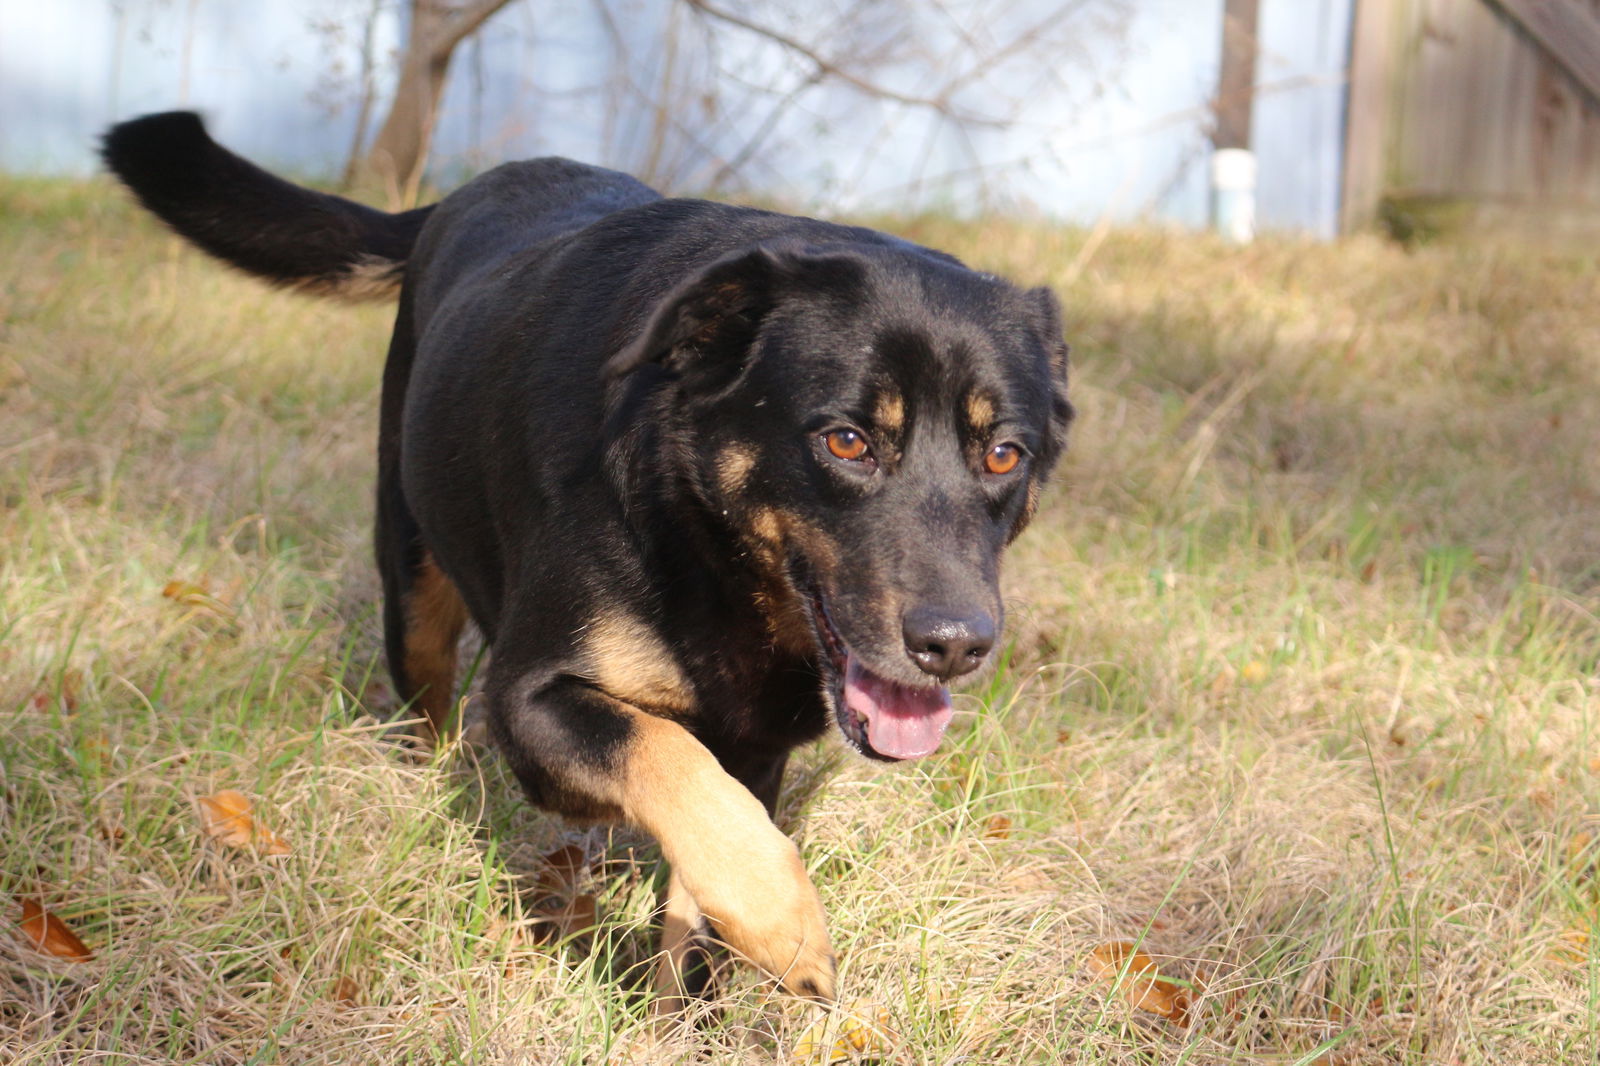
(832,69)
(462,23)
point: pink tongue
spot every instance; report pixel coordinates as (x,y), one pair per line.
(902,722)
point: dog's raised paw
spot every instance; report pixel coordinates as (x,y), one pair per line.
(770,914)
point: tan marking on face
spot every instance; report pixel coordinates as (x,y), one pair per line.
(891,413)
(1029,507)
(818,548)
(733,468)
(980,413)
(765,525)
(786,616)
(435,616)
(630,663)
(772,532)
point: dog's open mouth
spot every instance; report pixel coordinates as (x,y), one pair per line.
(879,717)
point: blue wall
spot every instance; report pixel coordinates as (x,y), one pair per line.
(1128,140)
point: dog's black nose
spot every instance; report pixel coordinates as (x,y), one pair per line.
(947,643)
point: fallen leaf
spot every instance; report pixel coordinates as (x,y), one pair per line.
(860,1031)
(1140,982)
(562,869)
(192,594)
(65,691)
(344,991)
(558,919)
(997,827)
(1571,947)
(49,934)
(226,818)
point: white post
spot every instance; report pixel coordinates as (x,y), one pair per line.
(1233,194)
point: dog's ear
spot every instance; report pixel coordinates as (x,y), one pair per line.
(710,321)
(1045,311)
(1044,315)
(714,313)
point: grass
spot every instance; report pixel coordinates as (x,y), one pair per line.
(1300,695)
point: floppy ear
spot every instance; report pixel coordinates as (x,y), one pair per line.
(713,314)
(1045,310)
(1044,315)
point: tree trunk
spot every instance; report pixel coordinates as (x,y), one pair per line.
(1236,86)
(400,151)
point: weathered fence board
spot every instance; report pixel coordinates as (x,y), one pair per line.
(1475,103)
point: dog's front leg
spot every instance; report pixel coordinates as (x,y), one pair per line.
(683,968)
(578,749)
(686,965)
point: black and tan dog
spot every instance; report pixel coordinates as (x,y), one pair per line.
(704,476)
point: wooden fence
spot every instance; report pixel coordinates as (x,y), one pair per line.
(1488,105)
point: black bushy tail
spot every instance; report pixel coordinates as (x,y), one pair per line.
(292,236)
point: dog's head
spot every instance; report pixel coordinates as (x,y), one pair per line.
(874,424)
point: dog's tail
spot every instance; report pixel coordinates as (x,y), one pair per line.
(291,236)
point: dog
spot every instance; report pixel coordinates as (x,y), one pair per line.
(704,476)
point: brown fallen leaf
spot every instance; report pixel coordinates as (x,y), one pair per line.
(997,827)
(192,594)
(65,691)
(1141,983)
(861,1030)
(49,934)
(559,920)
(225,817)
(562,869)
(344,991)
(1571,947)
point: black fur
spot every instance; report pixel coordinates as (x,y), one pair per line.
(287,234)
(601,404)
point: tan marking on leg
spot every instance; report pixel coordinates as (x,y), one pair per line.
(890,413)
(629,662)
(679,923)
(980,413)
(734,464)
(435,617)
(742,873)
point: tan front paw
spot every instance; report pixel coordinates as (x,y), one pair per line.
(767,910)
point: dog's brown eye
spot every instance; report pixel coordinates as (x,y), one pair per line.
(845,444)
(1002,459)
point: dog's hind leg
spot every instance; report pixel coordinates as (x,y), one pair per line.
(423,613)
(434,616)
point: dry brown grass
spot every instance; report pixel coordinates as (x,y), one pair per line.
(1300,698)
